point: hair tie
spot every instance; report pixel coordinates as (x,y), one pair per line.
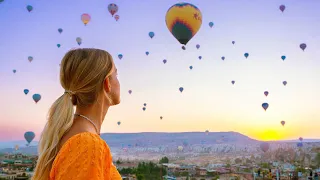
(69,92)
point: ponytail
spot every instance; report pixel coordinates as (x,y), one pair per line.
(60,120)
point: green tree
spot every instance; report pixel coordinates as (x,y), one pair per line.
(318,160)
(118,161)
(164,160)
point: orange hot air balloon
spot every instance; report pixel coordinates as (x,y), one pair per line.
(85,18)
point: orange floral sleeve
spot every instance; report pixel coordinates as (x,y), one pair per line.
(84,156)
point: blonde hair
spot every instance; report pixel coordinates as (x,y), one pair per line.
(83,72)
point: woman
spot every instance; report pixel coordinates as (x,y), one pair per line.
(70,146)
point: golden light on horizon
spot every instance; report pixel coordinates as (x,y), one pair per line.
(269,135)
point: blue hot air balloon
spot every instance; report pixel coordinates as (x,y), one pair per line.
(144,104)
(14,71)
(118,122)
(29,8)
(283,57)
(233,42)
(197,46)
(60,30)
(200,57)
(1,1)
(120,56)
(246,55)
(265,106)
(58,45)
(151,34)
(223,58)
(181,89)
(26,91)
(36,97)
(190,67)
(211,24)
(233,82)
(183,48)
(144,108)
(147,53)
(164,61)
(29,136)
(300,144)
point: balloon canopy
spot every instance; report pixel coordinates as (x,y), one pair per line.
(112,8)
(36,98)
(29,136)
(264,146)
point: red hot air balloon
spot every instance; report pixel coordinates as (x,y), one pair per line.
(264,146)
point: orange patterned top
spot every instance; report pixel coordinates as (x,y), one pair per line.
(84,156)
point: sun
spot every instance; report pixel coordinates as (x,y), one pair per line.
(269,135)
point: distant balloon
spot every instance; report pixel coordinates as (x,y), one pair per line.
(197,46)
(161,117)
(183,21)
(265,106)
(147,53)
(183,47)
(36,97)
(207,132)
(211,24)
(112,8)
(181,89)
(145,104)
(264,146)
(223,58)
(30,58)
(144,108)
(120,56)
(190,67)
(300,138)
(180,148)
(246,55)
(283,123)
(284,83)
(85,18)
(58,45)
(282,7)
(200,57)
(14,71)
(283,57)
(151,34)
(118,122)
(117,17)
(60,30)
(79,40)
(16,147)
(233,42)
(26,91)
(130,91)
(164,61)
(29,8)
(303,46)
(1,1)
(266,93)
(233,82)
(29,136)
(299,144)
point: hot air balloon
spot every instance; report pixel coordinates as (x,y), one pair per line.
(300,138)
(29,8)
(223,58)
(112,8)
(79,40)
(246,55)
(183,21)
(303,46)
(60,30)
(197,46)
(233,82)
(211,24)
(161,117)
(283,123)
(265,106)
(264,146)
(266,93)
(144,108)
(58,45)
(183,48)
(130,91)
(181,89)
(151,34)
(164,61)
(29,136)
(200,57)
(147,53)
(118,122)
(299,144)
(85,18)
(180,148)
(283,57)
(30,58)
(120,56)
(284,83)
(16,147)
(117,17)
(36,97)
(233,42)
(26,91)
(282,8)
(14,71)
(207,132)
(190,67)
(1,1)
(144,104)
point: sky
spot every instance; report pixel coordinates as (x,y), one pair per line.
(209,100)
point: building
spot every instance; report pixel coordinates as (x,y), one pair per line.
(201,171)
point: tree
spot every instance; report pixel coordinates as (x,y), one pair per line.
(318,160)
(118,161)
(164,160)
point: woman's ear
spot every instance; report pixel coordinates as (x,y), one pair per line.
(106,85)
